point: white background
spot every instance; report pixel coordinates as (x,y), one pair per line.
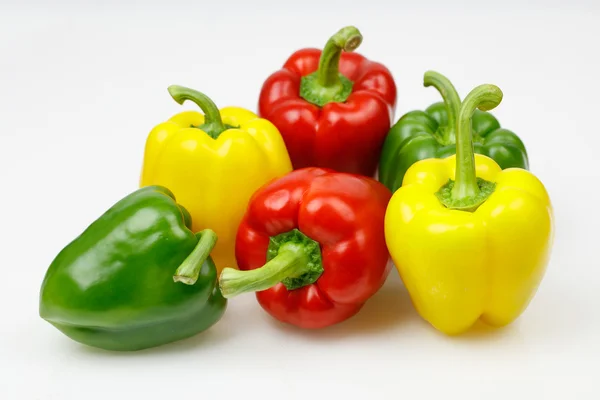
(82,84)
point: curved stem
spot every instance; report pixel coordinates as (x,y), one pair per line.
(327,85)
(484,97)
(213,124)
(449,94)
(290,262)
(189,269)
(347,39)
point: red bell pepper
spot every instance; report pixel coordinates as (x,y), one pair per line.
(312,245)
(333,109)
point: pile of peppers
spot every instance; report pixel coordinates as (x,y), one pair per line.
(309,203)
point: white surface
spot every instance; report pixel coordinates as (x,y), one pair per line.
(82,85)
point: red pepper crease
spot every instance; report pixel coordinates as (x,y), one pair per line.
(344,214)
(344,135)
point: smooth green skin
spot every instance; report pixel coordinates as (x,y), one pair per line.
(419,135)
(112,287)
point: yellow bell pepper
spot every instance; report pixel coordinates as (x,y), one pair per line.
(213,163)
(470,240)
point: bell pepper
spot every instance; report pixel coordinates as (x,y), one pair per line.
(432,134)
(332,108)
(213,163)
(312,245)
(116,286)
(471,241)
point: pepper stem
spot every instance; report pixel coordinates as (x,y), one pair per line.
(484,97)
(290,262)
(190,268)
(450,96)
(293,259)
(213,124)
(468,192)
(347,39)
(327,84)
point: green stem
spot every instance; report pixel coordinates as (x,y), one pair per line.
(290,262)
(347,39)
(213,124)
(450,96)
(190,268)
(292,258)
(327,84)
(484,97)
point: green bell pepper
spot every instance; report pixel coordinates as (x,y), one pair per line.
(432,134)
(137,277)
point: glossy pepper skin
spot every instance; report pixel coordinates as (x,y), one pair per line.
(333,108)
(419,135)
(323,237)
(467,248)
(113,286)
(213,163)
